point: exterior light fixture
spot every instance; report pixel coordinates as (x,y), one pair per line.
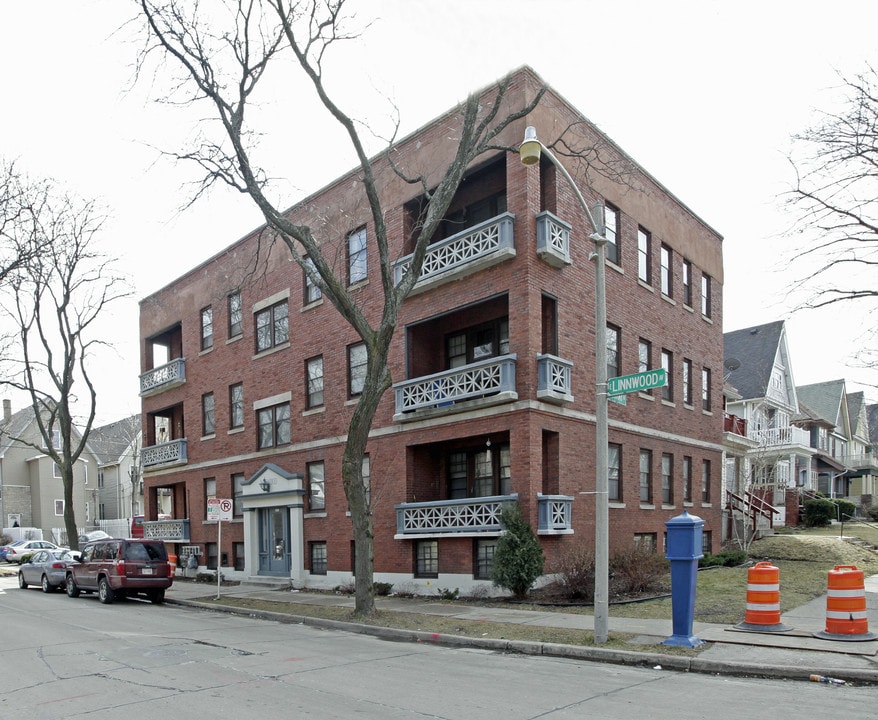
(265,485)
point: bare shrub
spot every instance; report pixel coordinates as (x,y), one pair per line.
(638,571)
(574,574)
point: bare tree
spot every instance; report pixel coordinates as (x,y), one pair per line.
(20,202)
(223,57)
(53,301)
(835,200)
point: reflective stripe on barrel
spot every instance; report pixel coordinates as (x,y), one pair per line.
(846,602)
(763,595)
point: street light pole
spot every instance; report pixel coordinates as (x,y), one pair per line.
(530,151)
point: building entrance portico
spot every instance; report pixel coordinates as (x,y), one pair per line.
(273,539)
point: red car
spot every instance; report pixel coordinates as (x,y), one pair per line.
(117,568)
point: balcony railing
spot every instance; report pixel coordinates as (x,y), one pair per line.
(169,453)
(167,530)
(164,377)
(554,513)
(782,436)
(862,461)
(553,379)
(553,239)
(491,377)
(474,249)
(471,516)
(735,425)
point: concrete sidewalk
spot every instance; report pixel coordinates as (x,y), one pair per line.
(795,654)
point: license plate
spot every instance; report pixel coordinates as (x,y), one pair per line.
(146,571)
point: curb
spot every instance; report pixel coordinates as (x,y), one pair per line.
(572,652)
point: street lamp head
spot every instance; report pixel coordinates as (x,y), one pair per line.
(530,148)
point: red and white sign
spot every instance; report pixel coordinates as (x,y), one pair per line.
(219,509)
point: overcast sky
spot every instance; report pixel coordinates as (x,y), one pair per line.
(704,95)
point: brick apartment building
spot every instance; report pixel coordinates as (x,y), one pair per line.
(249,376)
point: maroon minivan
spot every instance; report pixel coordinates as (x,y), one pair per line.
(117,568)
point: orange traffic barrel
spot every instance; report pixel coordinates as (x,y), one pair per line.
(846,617)
(763,600)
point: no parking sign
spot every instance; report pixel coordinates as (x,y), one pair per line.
(219,509)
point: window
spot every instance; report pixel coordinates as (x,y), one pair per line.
(687,381)
(101,478)
(357,360)
(705,389)
(668,365)
(479,472)
(477,343)
(667,272)
(687,283)
(366,472)
(206,328)
(611,232)
(614,472)
(236,405)
(211,551)
(644,358)
(56,439)
(614,357)
(549,325)
(705,481)
(208,419)
(427,558)
(316,486)
(357,256)
(644,241)
(317,558)
(238,550)
(314,381)
(646,476)
(484,559)
(667,478)
(312,291)
(272,326)
(238,494)
(705,295)
(59,508)
(687,478)
(274,425)
(209,492)
(236,325)
(56,470)
(645,542)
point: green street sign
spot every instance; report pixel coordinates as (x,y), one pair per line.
(638,382)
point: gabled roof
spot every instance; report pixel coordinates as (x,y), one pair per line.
(857,415)
(16,426)
(872,415)
(828,400)
(110,443)
(749,355)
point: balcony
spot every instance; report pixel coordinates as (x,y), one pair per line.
(467,517)
(553,240)
(553,379)
(781,437)
(493,380)
(165,454)
(554,513)
(164,377)
(167,530)
(862,461)
(735,425)
(476,248)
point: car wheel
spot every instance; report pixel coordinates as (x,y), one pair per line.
(156,597)
(46,585)
(105,592)
(72,587)
(22,583)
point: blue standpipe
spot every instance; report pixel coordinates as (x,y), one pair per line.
(684,549)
